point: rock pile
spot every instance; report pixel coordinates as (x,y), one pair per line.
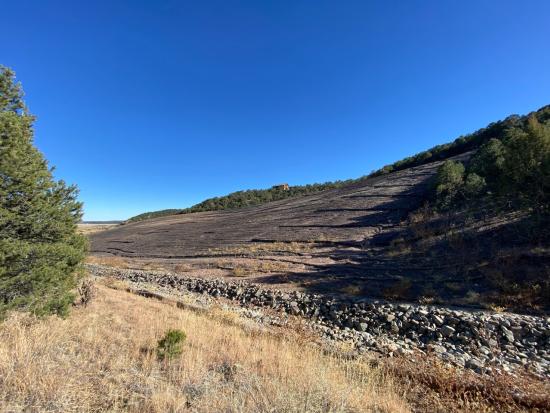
(476,340)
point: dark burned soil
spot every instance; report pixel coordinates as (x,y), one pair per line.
(344,216)
(339,241)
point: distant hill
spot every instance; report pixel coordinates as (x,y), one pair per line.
(459,146)
(242,199)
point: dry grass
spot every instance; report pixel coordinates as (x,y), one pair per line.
(139,264)
(255,268)
(182,267)
(102,358)
(111,261)
(239,272)
(352,289)
(150,266)
(263,248)
(88,229)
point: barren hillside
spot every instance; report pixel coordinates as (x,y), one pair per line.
(345,216)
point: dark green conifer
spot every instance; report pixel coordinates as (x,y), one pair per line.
(40,250)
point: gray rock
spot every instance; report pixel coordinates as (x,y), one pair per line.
(438,349)
(447,331)
(438,320)
(508,335)
(474,364)
(363,327)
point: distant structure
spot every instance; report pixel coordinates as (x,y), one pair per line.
(283,187)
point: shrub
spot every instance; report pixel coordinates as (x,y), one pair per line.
(40,250)
(473,185)
(170,346)
(238,272)
(87,292)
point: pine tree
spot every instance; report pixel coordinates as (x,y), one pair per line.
(527,165)
(449,183)
(40,250)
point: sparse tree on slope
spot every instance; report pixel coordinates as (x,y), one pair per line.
(450,179)
(527,165)
(40,251)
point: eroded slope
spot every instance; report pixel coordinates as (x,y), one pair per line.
(346,216)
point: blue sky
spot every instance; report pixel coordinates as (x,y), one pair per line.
(148,105)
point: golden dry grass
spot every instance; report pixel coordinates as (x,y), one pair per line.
(352,289)
(263,248)
(111,261)
(88,229)
(102,358)
(255,267)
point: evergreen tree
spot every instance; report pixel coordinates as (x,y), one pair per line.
(473,186)
(527,165)
(40,251)
(488,162)
(450,179)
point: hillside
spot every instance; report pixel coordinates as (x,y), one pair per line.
(345,215)
(252,197)
(351,240)
(417,283)
(241,199)
(418,233)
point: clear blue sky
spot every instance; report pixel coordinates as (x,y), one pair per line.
(160,104)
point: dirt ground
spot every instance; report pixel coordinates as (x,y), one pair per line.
(334,242)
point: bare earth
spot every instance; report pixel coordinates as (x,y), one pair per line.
(327,242)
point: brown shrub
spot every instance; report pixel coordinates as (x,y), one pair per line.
(86,292)
(433,386)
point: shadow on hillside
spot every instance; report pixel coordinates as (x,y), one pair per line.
(390,213)
(496,264)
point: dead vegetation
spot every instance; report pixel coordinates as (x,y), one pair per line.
(352,290)
(255,267)
(399,290)
(256,249)
(87,229)
(102,358)
(139,264)
(111,261)
(87,291)
(435,387)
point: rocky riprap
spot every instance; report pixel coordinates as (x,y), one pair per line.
(477,340)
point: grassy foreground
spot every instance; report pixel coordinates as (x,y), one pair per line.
(102,358)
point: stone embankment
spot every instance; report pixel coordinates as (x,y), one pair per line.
(477,340)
